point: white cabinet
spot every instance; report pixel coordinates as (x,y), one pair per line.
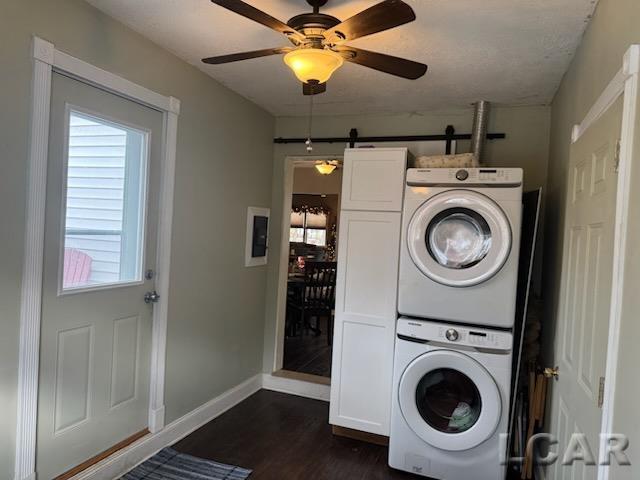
(373,179)
(366,290)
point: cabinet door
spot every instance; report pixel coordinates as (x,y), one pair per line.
(365,320)
(373,179)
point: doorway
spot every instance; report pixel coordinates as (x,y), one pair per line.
(310,221)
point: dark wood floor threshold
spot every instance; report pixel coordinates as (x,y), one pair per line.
(362,436)
(101,456)
(305,377)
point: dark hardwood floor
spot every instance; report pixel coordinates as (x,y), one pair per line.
(307,353)
(286,437)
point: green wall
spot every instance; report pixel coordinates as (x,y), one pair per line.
(224,164)
(613,28)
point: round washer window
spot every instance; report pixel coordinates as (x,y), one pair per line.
(458,238)
(448,400)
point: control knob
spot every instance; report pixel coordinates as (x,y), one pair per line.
(462,175)
(452,335)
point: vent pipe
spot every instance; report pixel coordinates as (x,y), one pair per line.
(480,124)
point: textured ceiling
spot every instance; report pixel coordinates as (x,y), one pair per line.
(512,52)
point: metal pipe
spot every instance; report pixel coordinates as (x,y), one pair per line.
(480,123)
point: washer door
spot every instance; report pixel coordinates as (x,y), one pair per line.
(459,238)
(449,400)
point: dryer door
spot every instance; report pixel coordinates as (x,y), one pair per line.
(449,400)
(459,238)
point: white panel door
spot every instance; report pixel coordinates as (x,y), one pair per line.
(583,315)
(373,179)
(100,238)
(366,311)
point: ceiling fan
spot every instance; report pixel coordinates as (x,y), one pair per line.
(318,41)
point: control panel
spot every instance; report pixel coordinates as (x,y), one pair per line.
(494,177)
(423,330)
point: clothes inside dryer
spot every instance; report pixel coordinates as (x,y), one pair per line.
(448,400)
(458,238)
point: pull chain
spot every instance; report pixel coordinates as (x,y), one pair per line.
(308,143)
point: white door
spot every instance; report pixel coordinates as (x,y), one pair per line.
(366,311)
(583,315)
(100,240)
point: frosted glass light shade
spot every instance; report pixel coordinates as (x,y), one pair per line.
(325,168)
(313,64)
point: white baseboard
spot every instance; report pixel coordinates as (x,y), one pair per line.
(124,460)
(156,420)
(296,387)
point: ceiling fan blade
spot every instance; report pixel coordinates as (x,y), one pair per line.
(308,89)
(397,66)
(252,13)
(380,17)
(234,57)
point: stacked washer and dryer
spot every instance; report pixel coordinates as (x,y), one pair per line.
(457,300)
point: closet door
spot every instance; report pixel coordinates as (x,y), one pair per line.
(366,292)
(373,179)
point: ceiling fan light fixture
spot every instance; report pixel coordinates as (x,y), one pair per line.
(313,64)
(325,168)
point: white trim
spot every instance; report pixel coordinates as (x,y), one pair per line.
(292,386)
(46,60)
(281,302)
(29,348)
(253,212)
(124,460)
(163,266)
(616,87)
(631,69)
(87,73)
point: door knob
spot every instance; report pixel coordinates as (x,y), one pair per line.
(151,297)
(551,372)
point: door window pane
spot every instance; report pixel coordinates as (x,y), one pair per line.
(105,203)
(448,400)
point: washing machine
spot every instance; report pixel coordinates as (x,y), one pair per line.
(460,245)
(450,401)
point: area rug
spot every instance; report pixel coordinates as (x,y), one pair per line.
(169,464)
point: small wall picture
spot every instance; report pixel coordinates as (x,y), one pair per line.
(257,236)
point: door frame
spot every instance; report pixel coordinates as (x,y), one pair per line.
(47,60)
(626,83)
(290,163)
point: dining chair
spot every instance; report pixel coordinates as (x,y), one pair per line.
(315,299)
